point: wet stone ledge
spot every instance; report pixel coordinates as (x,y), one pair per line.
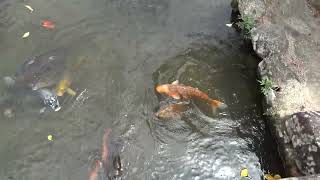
(286,37)
(303,132)
(303,178)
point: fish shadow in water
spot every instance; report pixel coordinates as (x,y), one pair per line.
(170,110)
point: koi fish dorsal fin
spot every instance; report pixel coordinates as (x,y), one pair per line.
(176,82)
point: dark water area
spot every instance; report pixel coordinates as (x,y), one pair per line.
(129,46)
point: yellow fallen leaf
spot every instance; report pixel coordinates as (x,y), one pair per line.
(29,7)
(25,35)
(277,176)
(270,177)
(244,172)
(50,137)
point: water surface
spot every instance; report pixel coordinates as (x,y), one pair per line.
(130,46)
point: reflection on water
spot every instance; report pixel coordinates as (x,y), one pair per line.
(131,46)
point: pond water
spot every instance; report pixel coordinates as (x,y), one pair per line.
(129,47)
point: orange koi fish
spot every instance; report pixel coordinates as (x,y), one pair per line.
(172,111)
(180,91)
(48,24)
(105,149)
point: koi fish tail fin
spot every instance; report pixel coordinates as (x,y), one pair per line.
(217,105)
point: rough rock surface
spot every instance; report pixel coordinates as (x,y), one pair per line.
(287,38)
(303,178)
(303,130)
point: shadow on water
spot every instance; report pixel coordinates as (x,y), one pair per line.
(131,46)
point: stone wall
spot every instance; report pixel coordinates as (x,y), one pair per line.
(287,38)
(303,178)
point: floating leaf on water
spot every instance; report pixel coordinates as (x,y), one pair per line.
(29,7)
(244,172)
(270,177)
(229,25)
(50,137)
(26,34)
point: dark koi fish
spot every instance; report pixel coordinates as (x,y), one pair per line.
(110,163)
(180,91)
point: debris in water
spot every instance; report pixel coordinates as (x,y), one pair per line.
(29,7)
(229,25)
(25,35)
(50,137)
(244,172)
(47,24)
(8,113)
